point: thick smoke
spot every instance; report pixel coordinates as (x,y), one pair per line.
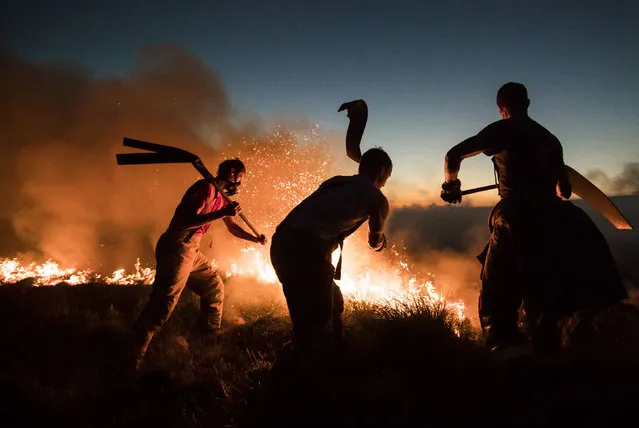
(63,194)
(445,241)
(626,182)
(64,197)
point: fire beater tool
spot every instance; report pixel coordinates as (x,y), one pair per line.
(587,191)
(168,154)
(357,112)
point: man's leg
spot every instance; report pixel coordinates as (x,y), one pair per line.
(338,310)
(174,264)
(307,281)
(310,304)
(501,295)
(207,283)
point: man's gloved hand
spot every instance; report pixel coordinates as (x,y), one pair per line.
(451,192)
(384,243)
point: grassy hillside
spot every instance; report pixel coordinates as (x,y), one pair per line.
(401,367)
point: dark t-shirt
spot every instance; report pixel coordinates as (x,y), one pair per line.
(338,208)
(527,157)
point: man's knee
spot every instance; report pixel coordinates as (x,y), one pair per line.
(156,312)
(210,289)
(338,300)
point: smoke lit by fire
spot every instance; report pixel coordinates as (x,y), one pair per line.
(79,214)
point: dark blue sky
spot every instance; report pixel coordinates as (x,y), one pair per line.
(428,70)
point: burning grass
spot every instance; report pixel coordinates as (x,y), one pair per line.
(407,365)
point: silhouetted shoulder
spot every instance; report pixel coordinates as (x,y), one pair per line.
(496,136)
(549,135)
(199,191)
(495,127)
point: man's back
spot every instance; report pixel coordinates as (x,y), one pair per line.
(337,208)
(528,158)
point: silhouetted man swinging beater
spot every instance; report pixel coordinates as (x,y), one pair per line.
(531,249)
(180,262)
(303,243)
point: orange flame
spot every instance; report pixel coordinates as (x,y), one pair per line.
(380,282)
(284,169)
(50,273)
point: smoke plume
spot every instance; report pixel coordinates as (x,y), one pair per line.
(626,182)
(64,197)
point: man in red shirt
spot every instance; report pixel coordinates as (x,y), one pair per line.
(180,262)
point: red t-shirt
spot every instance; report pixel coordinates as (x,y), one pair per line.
(202,198)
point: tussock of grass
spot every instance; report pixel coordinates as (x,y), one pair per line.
(406,365)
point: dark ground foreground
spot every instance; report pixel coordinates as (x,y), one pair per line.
(399,368)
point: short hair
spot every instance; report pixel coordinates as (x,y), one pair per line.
(512,96)
(225,168)
(373,161)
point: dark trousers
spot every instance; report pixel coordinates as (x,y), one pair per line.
(303,265)
(515,269)
(180,264)
(551,257)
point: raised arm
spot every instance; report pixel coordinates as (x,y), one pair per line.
(357,112)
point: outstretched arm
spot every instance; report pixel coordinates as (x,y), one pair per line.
(484,141)
(239,232)
(470,147)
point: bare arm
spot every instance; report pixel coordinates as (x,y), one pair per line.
(488,139)
(195,201)
(358,115)
(376,223)
(195,220)
(469,147)
(353,151)
(563,184)
(239,232)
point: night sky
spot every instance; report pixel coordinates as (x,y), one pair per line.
(428,70)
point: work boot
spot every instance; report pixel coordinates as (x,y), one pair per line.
(207,331)
(499,339)
(210,338)
(508,346)
(135,351)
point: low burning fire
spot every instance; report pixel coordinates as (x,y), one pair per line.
(282,169)
(374,281)
(50,273)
